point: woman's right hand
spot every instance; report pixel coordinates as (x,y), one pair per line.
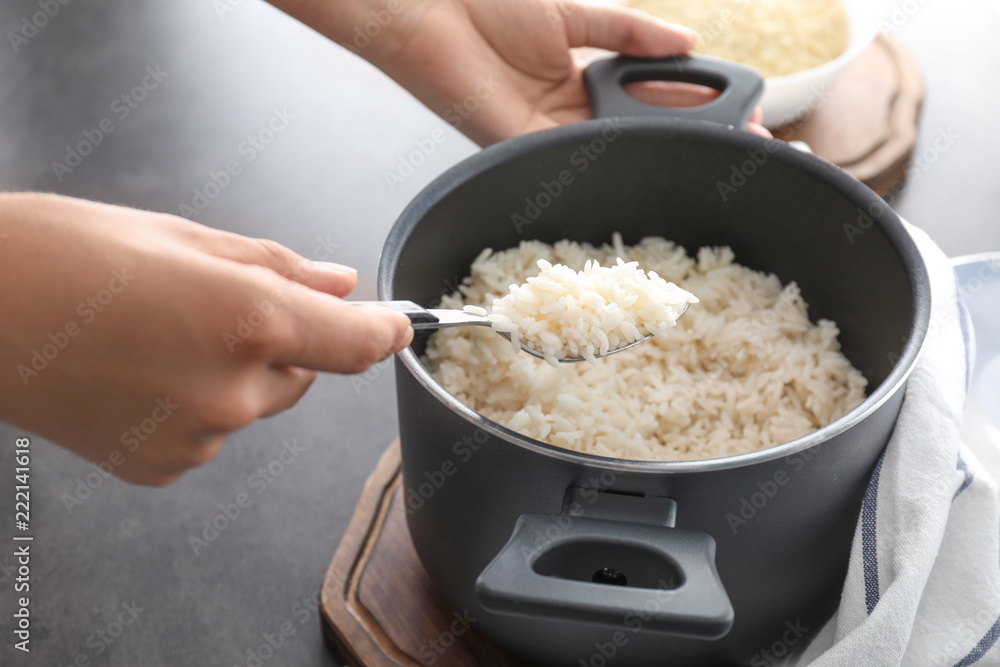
(141,340)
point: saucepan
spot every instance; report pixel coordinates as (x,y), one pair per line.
(566,558)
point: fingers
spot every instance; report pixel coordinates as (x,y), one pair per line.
(671,93)
(326,277)
(678,94)
(756,124)
(628,31)
(759,130)
(335,279)
(317,331)
(259,393)
(285,387)
(328,334)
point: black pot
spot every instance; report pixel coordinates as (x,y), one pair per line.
(570,559)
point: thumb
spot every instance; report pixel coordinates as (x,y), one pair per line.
(332,335)
(627,31)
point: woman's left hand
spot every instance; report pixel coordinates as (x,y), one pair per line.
(496,69)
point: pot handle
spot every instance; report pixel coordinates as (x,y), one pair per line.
(629,575)
(740,86)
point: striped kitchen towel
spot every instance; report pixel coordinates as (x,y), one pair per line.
(923,585)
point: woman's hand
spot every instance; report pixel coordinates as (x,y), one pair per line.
(513,58)
(499,68)
(141,340)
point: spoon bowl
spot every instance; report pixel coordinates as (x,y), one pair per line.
(429,320)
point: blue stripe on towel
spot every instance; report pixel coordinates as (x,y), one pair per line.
(965,320)
(869,541)
(983,647)
(968,476)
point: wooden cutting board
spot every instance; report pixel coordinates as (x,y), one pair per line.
(868,120)
(378,607)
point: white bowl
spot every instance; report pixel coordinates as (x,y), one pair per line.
(788,98)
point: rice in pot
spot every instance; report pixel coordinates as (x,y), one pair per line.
(744,369)
(562,313)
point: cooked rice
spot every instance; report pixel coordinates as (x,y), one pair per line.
(562,313)
(743,370)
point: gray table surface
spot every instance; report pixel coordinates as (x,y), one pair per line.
(319,184)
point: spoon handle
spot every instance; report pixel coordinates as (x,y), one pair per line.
(423,319)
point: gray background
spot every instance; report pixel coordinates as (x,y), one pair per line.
(320,182)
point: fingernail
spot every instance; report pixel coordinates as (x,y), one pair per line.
(332,267)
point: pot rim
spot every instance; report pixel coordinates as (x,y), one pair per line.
(826,172)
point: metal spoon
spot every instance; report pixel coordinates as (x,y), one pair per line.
(428,320)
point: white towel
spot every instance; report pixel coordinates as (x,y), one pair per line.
(923,585)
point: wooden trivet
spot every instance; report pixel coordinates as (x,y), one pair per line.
(867,125)
(379,608)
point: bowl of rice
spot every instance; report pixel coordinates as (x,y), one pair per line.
(799,46)
(690,494)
